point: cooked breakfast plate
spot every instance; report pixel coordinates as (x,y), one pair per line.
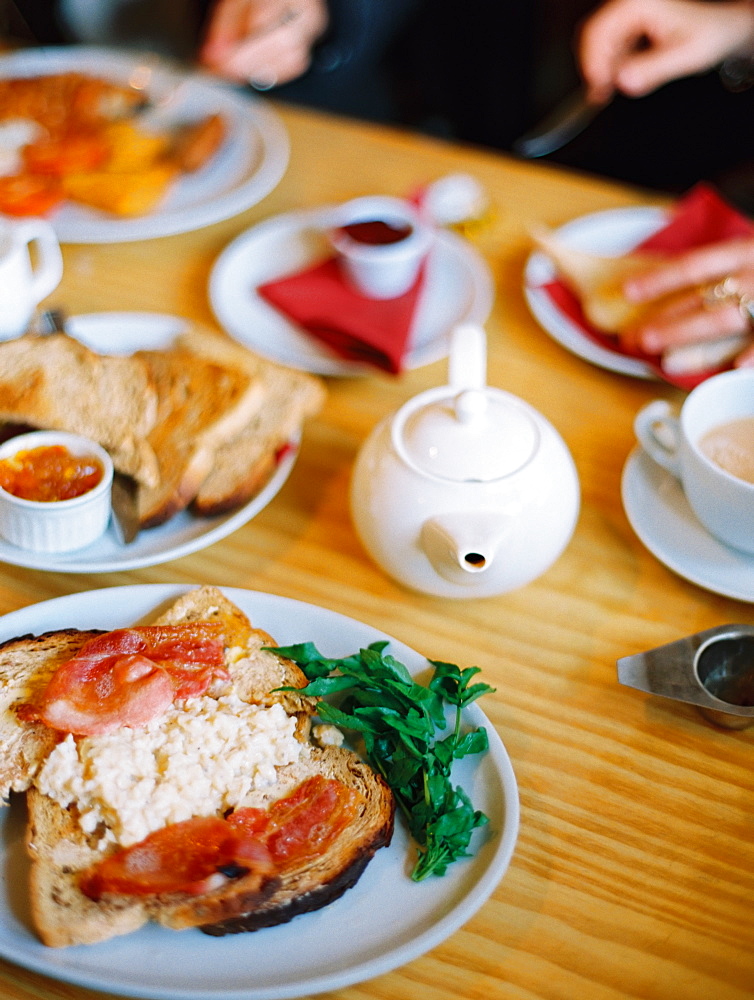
(383,922)
(248,165)
(458,288)
(612,233)
(123,333)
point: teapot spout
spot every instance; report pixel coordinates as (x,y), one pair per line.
(462,546)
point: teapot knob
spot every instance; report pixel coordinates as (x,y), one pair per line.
(470,405)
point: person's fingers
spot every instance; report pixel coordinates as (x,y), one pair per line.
(660,332)
(264,39)
(603,43)
(696,267)
(269,59)
(644,71)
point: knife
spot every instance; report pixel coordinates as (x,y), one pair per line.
(564,123)
(125,509)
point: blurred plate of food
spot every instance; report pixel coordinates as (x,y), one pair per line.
(457,288)
(205,432)
(612,233)
(128,147)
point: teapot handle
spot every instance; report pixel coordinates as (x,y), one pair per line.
(467,366)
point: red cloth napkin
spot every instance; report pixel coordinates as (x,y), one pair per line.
(369,331)
(700,217)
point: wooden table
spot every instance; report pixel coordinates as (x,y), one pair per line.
(633,875)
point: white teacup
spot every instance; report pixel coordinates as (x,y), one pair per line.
(380,270)
(723,502)
(25,281)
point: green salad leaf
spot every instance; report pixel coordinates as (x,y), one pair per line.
(399,721)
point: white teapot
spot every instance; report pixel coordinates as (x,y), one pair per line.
(467,491)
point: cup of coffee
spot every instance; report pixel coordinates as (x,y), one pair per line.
(31,266)
(381,243)
(709,447)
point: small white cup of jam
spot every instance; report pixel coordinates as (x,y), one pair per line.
(381,243)
(54,491)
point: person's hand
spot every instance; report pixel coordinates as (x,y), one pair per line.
(711,291)
(635,46)
(265,42)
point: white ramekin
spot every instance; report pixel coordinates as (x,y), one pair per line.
(60,525)
(387,270)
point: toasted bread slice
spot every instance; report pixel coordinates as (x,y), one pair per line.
(63,915)
(60,849)
(26,666)
(258,674)
(597,280)
(202,403)
(56,383)
(316,882)
(246,460)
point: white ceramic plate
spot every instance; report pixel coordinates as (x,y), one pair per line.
(123,333)
(385,921)
(248,166)
(612,233)
(458,288)
(659,513)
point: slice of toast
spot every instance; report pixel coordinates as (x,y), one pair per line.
(314,883)
(245,461)
(201,403)
(257,673)
(26,666)
(63,915)
(56,383)
(597,280)
(60,849)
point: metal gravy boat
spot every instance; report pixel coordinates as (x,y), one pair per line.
(713,670)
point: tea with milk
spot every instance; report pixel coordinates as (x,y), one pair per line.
(731,446)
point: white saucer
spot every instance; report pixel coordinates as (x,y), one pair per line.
(660,515)
(458,288)
(612,233)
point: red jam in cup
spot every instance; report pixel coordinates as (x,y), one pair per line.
(376,232)
(49,474)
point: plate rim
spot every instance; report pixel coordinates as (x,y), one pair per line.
(268,130)
(558,326)
(481,283)
(156,595)
(217,528)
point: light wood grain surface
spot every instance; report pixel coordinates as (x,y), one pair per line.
(633,875)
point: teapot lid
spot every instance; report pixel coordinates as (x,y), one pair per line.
(466,432)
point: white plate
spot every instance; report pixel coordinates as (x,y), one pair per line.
(385,921)
(659,513)
(458,287)
(612,233)
(123,333)
(248,166)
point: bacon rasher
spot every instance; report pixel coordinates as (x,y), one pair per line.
(130,676)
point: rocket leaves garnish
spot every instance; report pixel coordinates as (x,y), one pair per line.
(398,721)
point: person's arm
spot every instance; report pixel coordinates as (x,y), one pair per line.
(269,42)
(635,46)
